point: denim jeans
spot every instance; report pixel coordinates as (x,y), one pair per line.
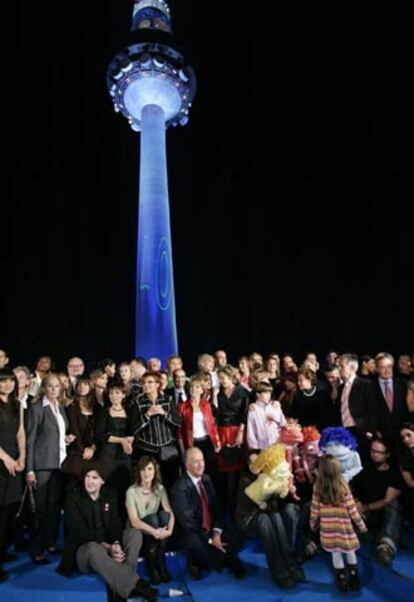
(386,524)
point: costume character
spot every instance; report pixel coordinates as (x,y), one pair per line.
(340,443)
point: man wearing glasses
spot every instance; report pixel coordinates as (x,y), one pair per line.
(75,368)
(377,489)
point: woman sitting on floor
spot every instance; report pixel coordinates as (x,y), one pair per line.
(149,510)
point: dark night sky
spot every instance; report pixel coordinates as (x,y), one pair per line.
(291,222)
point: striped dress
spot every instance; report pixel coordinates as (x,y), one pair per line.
(335,524)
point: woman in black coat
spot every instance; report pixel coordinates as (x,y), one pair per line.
(12,455)
(95,540)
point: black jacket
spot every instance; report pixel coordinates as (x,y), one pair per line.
(170,392)
(389,422)
(79,524)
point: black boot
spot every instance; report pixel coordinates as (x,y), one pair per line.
(143,590)
(340,580)
(160,563)
(152,568)
(113,596)
(354,582)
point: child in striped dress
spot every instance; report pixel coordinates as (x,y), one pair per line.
(334,508)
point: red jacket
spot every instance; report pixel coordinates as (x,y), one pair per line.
(185,431)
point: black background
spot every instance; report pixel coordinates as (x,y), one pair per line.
(291,223)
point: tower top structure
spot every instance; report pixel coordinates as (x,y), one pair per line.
(152,70)
(151,14)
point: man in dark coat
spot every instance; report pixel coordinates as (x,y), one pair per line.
(355,405)
(93,539)
(390,396)
(196,508)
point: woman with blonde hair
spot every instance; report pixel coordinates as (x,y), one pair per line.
(206,363)
(46,442)
(65,397)
(198,426)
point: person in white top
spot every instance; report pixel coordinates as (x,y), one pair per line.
(265,419)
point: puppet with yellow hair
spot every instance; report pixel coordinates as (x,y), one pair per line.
(274,476)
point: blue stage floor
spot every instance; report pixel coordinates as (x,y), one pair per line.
(41,584)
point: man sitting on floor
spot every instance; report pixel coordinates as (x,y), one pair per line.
(196,508)
(376,490)
(93,535)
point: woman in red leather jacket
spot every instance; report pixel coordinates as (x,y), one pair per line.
(198,426)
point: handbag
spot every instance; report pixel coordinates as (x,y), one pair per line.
(169,452)
(73,466)
(27,515)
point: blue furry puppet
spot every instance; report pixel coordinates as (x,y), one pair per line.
(339,442)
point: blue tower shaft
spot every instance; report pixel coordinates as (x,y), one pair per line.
(156,329)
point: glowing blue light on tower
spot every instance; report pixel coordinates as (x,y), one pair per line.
(152,86)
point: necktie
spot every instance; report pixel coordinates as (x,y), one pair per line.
(180,398)
(347,419)
(389,397)
(206,525)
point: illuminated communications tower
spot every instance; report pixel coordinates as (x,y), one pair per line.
(153,86)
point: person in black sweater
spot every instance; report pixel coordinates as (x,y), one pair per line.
(377,489)
(93,536)
(312,404)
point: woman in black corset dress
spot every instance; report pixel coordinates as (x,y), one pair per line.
(232,403)
(12,455)
(113,434)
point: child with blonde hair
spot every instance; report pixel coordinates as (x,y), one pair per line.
(334,508)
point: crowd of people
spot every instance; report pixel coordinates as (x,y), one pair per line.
(143,460)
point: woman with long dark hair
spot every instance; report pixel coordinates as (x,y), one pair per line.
(149,510)
(113,433)
(82,417)
(12,455)
(232,403)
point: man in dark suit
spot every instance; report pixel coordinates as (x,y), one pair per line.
(93,539)
(196,508)
(355,405)
(180,391)
(75,369)
(390,397)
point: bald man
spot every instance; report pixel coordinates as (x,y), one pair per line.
(198,514)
